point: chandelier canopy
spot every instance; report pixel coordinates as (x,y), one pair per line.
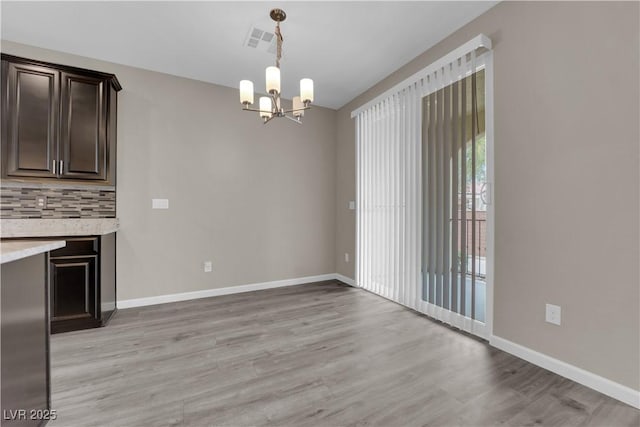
(270,106)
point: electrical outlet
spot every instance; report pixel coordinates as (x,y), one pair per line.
(346,257)
(41,202)
(208,266)
(553,314)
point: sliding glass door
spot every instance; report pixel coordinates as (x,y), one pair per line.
(455,192)
(424,214)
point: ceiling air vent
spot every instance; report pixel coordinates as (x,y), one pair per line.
(261,40)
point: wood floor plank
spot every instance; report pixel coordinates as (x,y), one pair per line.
(322,354)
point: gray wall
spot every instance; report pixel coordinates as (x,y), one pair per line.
(258,201)
(566,178)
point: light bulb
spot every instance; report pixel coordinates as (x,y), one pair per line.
(299,106)
(306,90)
(265,107)
(273,79)
(246,92)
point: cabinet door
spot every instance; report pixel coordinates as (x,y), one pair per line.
(84,127)
(30,118)
(73,283)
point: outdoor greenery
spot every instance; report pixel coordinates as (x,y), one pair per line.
(481,164)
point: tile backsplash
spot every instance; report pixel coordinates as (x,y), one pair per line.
(21,202)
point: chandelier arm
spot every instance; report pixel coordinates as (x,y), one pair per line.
(298,121)
(268,120)
(296,109)
(257,110)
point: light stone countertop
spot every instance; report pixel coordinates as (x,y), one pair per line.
(57,227)
(13,250)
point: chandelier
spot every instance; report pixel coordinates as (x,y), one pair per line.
(270,106)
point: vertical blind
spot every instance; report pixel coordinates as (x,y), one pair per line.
(388,215)
(450,129)
(389,132)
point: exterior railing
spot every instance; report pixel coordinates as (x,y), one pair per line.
(480,243)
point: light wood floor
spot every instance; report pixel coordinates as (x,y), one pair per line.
(313,355)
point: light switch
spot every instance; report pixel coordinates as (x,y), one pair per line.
(352,205)
(160,204)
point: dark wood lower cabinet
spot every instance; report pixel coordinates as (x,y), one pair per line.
(73,287)
(82,283)
(24,326)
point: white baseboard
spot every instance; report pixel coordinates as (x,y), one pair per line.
(603,385)
(344,279)
(184,296)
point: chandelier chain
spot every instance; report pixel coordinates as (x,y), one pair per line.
(279,44)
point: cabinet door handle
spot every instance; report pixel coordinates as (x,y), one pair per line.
(61,163)
(54,166)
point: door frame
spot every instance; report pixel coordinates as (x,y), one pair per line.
(486,60)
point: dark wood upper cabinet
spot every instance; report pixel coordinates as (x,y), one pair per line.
(31,120)
(84,132)
(58,121)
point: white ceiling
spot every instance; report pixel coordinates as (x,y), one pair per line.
(345,47)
